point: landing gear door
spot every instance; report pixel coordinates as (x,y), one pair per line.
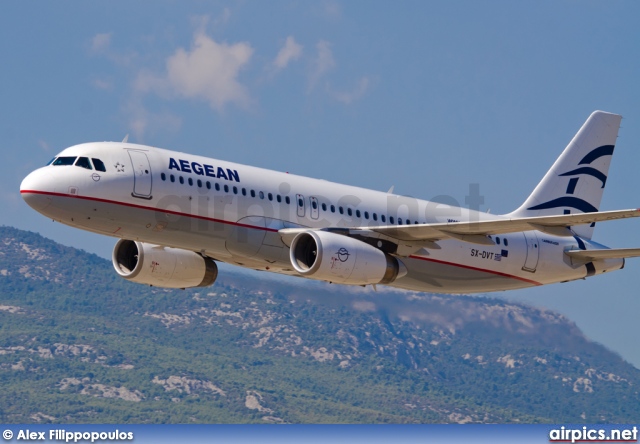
(141,174)
(533,251)
(300,204)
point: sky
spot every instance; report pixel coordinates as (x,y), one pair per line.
(428,96)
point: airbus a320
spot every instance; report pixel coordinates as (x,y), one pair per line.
(177,214)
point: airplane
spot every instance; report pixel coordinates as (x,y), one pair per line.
(177,214)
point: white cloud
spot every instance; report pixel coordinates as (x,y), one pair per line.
(332,9)
(322,64)
(44,145)
(207,71)
(101,45)
(290,51)
(348,97)
(141,121)
(224,17)
(101,42)
(102,84)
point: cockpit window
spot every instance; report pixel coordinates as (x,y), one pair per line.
(64,161)
(98,164)
(84,163)
(50,162)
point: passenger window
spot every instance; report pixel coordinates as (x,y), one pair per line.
(64,161)
(383,218)
(399,221)
(208,185)
(98,165)
(357,213)
(391,219)
(324,207)
(235,190)
(217,187)
(199,183)
(270,196)
(333,208)
(253,193)
(279,198)
(163,176)
(314,204)
(300,203)
(349,212)
(181,179)
(226,188)
(506,243)
(498,240)
(375,216)
(366,215)
(287,200)
(190,182)
(340,210)
(261,194)
(172,178)
(244,191)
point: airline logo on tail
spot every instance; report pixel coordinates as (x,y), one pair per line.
(574,202)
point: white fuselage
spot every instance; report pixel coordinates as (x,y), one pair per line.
(232,213)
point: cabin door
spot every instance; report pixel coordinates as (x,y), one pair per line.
(141,174)
(533,251)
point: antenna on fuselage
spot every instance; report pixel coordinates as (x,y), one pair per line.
(126,139)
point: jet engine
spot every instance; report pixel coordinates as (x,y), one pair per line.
(162,266)
(341,259)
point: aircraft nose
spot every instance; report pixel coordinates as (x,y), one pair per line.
(34,190)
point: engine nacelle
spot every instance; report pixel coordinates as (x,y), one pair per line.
(336,258)
(162,266)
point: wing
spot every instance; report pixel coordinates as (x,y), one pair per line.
(470,231)
(419,236)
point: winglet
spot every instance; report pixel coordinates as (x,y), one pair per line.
(126,139)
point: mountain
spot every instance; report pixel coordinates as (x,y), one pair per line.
(78,344)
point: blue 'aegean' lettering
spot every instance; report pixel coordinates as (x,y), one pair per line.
(204,170)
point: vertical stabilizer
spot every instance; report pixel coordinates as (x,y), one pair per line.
(576,181)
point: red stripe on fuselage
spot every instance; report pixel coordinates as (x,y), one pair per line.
(142,207)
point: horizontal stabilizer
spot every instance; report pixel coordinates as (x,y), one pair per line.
(594,255)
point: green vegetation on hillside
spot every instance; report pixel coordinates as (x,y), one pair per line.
(79,344)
